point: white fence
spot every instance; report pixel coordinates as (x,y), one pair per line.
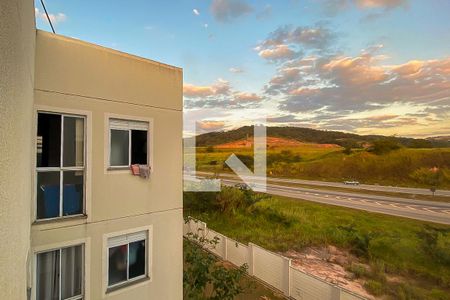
(272,268)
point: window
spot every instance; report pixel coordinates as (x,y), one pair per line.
(127,258)
(59,274)
(128,143)
(60,165)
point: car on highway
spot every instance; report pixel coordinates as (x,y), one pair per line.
(242,186)
(351,182)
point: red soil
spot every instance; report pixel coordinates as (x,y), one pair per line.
(272,142)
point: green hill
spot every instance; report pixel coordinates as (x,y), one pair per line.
(309,135)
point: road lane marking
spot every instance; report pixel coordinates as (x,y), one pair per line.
(378,203)
(429,210)
(410,207)
(447,211)
(393,205)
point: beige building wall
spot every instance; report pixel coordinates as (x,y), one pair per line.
(77,77)
(17,38)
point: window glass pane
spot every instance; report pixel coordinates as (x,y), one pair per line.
(48,140)
(117,271)
(71,271)
(47,276)
(73,142)
(119,147)
(47,194)
(137,259)
(73,192)
(139,147)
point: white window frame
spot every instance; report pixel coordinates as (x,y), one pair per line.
(148,129)
(84,248)
(134,282)
(61,168)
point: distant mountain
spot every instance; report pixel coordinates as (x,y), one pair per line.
(442,138)
(309,135)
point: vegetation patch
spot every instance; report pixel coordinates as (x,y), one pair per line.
(382,164)
(388,247)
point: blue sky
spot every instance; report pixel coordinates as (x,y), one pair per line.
(364,66)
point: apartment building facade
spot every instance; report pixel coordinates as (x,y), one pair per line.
(95,230)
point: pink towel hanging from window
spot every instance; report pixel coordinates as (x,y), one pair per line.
(135,170)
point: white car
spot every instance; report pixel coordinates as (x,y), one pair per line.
(351,182)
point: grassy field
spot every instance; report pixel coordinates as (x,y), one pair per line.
(315,162)
(398,258)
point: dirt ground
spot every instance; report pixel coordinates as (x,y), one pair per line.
(272,142)
(327,263)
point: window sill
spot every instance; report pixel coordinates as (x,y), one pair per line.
(118,168)
(60,219)
(127,284)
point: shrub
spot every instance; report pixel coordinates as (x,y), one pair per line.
(230,199)
(285,156)
(199,201)
(347,150)
(431,177)
(384,146)
(359,270)
(204,277)
(374,287)
(442,248)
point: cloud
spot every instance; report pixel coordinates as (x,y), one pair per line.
(227,10)
(334,6)
(277,53)
(385,4)
(54,18)
(236,70)
(265,13)
(205,125)
(247,97)
(288,42)
(354,71)
(316,37)
(196,12)
(343,83)
(218,95)
(381,117)
(285,76)
(375,8)
(220,87)
(283,119)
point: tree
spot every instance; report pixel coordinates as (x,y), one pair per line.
(205,277)
(431,177)
(347,150)
(384,146)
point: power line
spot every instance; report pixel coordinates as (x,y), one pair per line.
(48,17)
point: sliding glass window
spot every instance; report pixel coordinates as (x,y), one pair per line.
(60,165)
(59,274)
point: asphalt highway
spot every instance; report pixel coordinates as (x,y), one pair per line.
(431,211)
(369,187)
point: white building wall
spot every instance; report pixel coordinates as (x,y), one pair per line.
(17,48)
